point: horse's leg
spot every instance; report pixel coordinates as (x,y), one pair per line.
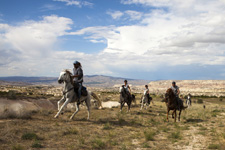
(168,110)
(60,101)
(179,114)
(128,108)
(64,104)
(121,106)
(77,109)
(175,111)
(173,114)
(142,104)
(88,104)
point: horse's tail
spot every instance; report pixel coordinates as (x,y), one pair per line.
(184,107)
(98,99)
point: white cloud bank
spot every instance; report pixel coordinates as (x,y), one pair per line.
(185,33)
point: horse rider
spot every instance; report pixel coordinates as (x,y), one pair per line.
(176,91)
(188,98)
(127,88)
(146,94)
(78,78)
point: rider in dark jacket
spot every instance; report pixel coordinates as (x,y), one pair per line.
(176,91)
(78,77)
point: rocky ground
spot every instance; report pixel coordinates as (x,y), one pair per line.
(213,88)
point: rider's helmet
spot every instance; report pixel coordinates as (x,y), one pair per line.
(76,62)
(173,82)
(125,80)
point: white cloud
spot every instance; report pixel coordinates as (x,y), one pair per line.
(134,15)
(126,15)
(76,3)
(48,7)
(161,39)
(115,14)
(173,38)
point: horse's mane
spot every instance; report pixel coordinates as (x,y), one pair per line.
(67,71)
(170,93)
(70,74)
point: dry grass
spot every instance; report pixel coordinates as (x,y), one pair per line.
(110,129)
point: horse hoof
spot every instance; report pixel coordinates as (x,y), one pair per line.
(62,113)
(56,116)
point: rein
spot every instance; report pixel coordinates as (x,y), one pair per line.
(68,91)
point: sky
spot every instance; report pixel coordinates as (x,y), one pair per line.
(138,39)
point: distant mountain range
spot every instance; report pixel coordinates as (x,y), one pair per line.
(89,80)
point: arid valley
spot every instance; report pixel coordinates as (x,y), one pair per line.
(27,118)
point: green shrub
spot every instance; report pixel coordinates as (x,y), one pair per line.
(107,126)
(199,101)
(12,94)
(17,147)
(213,146)
(30,136)
(36,144)
(98,144)
(149,135)
(175,135)
(70,131)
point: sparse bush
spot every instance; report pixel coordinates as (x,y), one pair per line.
(123,147)
(36,144)
(30,136)
(17,147)
(70,131)
(221,99)
(175,135)
(199,101)
(145,145)
(98,144)
(81,140)
(213,146)
(149,135)
(12,94)
(107,126)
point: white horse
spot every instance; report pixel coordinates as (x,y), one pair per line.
(188,100)
(70,96)
(144,101)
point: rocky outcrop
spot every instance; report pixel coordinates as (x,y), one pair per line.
(194,87)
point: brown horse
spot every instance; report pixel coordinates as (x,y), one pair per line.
(171,103)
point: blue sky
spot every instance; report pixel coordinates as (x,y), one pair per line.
(140,39)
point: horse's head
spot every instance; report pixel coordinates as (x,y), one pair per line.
(65,76)
(169,94)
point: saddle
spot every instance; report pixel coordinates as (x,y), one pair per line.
(84,91)
(149,99)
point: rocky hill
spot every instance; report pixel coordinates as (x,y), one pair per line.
(194,87)
(89,80)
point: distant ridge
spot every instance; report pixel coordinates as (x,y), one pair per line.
(89,80)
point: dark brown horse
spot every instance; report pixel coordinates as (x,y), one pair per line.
(171,103)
